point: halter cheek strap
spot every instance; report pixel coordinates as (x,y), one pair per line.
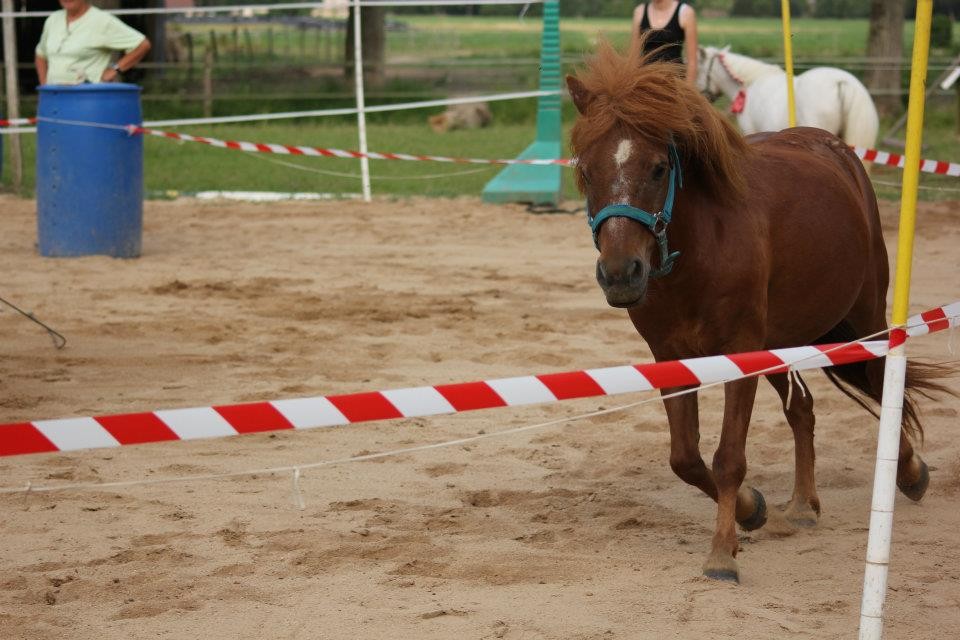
(655,222)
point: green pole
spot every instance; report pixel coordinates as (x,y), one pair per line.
(539,184)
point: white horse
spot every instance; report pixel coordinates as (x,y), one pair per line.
(826,97)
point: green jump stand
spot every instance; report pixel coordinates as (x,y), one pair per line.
(536,184)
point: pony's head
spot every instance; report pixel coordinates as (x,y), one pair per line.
(641,128)
(713,77)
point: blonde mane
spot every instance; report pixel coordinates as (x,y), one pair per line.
(654,100)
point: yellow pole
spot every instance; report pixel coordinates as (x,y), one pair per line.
(788,57)
(911,171)
(894,375)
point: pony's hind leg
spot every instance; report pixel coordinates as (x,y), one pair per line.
(863,382)
(803,509)
(913,476)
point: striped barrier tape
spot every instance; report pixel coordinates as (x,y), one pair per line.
(259,147)
(895,160)
(874,156)
(869,155)
(17,122)
(70,434)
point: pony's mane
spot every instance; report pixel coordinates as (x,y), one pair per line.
(655,100)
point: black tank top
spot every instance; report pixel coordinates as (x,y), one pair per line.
(671,35)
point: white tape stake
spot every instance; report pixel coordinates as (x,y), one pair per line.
(297,495)
(361,102)
(884,494)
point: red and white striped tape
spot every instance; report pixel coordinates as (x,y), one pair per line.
(70,434)
(284,149)
(870,155)
(895,160)
(17,122)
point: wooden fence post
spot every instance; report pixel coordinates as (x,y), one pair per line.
(208,83)
(13,92)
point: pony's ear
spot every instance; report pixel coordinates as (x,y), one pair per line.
(582,98)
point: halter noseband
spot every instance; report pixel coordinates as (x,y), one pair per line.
(711,94)
(655,222)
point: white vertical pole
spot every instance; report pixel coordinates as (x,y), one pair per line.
(361,103)
(891,410)
(884,496)
(13,91)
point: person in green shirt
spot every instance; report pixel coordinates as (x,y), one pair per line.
(79,41)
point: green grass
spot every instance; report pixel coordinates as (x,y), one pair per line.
(191,167)
(430,43)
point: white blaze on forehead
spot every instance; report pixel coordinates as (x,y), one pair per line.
(624,151)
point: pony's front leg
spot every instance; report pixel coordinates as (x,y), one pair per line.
(750,508)
(685,458)
(729,469)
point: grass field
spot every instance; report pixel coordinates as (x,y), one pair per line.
(187,167)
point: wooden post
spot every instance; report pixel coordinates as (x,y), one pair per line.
(13,92)
(188,38)
(213,45)
(208,83)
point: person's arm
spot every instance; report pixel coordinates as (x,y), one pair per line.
(127,62)
(637,19)
(41,64)
(40,54)
(688,22)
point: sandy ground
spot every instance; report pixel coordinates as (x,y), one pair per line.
(575,531)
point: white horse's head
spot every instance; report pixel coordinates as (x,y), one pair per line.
(713,76)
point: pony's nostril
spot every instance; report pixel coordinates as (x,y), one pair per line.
(601,274)
(636,272)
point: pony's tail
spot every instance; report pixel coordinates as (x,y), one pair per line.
(860,120)
(862,382)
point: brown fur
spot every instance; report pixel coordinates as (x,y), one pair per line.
(462,116)
(657,102)
(781,245)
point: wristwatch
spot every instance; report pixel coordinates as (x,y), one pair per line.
(116,67)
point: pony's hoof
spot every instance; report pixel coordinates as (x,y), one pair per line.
(916,490)
(723,575)
(721,566)
(759,516)
(803,523)
(801,515)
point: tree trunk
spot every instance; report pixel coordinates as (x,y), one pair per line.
(885,49)
(374,44)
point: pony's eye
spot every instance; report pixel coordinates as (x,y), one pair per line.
(584,176)
(659,171)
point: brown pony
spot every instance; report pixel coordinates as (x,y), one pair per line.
(779,245)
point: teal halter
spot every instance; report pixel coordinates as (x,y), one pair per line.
(655,222)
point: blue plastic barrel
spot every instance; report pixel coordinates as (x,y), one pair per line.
(89,178)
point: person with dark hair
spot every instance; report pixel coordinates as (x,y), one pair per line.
(79,41)
(672,28)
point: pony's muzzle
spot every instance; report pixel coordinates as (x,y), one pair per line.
(624,282)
